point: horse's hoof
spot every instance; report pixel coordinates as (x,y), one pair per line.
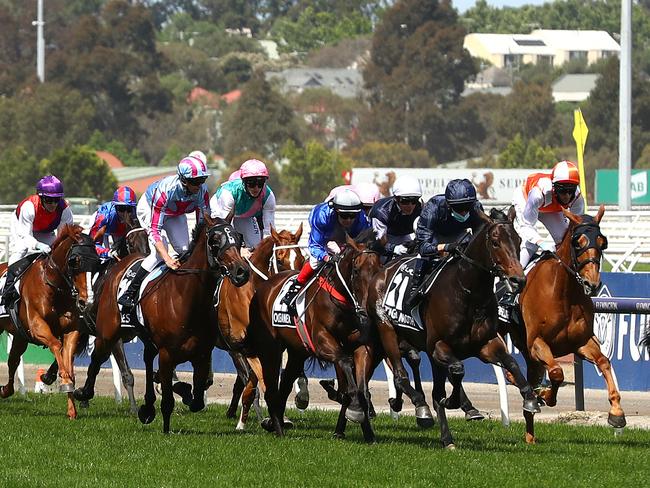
(287,423)
(230,414)
(6,392)
(302,397)
(183,390)
(338,435)
(48,379)
(531,405)
(473,414)
(541,402)
(356,416)
(616,421)
(66,388)
(146,414)
(450,447)
(423,417)
(84,404)
(267,425)
(531,439)
(328,386)
(197,406)
(82,395)
(396,404)
(372,414)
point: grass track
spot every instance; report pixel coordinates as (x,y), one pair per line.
(106,447)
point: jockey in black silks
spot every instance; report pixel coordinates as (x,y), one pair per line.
(394,217)
(443,227)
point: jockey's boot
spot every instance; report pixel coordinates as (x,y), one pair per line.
(9,291)
(415,292)
(291,295)
(130,297)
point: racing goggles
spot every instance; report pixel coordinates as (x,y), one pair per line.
(256,182)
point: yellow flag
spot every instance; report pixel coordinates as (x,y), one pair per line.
(580,132)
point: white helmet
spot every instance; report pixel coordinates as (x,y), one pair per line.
(368,193)
(200,155)
(346,201)
(407,186)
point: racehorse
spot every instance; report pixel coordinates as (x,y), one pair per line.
(134,241)
(334,324)
(559,315)
(178,313)
(459,313)
(54,293)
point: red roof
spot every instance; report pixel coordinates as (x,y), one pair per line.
(110,159)
(231,96)
(140,185)
(204,97)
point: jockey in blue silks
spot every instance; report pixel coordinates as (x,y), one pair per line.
(442,227)
(329,222)
(113,215)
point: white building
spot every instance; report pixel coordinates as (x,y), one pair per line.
(542,46)
(574,87)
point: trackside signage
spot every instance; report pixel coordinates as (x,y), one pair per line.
(607,186)
(493,186)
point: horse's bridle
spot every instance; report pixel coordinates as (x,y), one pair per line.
(495,270)
(89,262)
(227,237)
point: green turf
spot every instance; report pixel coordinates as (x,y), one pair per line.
(107,447)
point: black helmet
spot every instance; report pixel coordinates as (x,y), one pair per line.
(459,192)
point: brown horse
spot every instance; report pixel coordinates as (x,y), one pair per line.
(559,315)
(335,327)
(53,294)
(459,313)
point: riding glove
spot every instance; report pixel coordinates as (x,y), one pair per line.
(400,249)
(42,247)
(546,246)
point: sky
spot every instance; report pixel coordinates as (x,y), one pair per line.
(463,5)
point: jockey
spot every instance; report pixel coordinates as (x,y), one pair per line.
(248,202)
(442,227)
(394,216)
(329,221)
(542,197)
(114,215)
(368,193)
(163,207)
(35,223)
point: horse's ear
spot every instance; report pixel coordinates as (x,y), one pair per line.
(298,233)
(208,219)
(274,234)
(350,242)
(484,217)
(512,213)
(571,216)
(599,215)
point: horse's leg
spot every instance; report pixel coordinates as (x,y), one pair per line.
(363,367)
(444,356)
(591,352)
(541,352)
(248,397)
(165,372)
(147,412)
(293,368)
(237,389)
(50,375)
(355,411)
(18,347)
(341,421)
(200,377)
(41,333)
(99,355)
(390,344)
(439,374)
(70,341)
(127,375)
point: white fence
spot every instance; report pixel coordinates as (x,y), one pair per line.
(628,232)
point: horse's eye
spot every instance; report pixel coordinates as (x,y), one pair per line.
(495,243)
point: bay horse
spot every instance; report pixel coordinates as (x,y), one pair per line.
(54,292)
(459,313)
(335,325)
(558,313)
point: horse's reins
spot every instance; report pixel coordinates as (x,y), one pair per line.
(275,257)
(495,271)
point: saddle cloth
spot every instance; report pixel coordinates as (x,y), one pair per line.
(135,319)
(395,296)
(280,315)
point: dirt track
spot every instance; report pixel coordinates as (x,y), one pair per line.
(484,396)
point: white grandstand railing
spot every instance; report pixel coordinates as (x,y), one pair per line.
(628,232)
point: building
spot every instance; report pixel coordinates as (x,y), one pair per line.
(542,46)
(574,88)
(346,83)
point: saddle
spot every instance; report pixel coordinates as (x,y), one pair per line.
(11,296)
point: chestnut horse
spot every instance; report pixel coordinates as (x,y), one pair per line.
(559,315)
(336,324)
(54,293)
(459,313)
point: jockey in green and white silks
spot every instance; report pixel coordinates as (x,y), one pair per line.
(248,202)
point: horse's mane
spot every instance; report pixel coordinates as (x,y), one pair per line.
(68,230)
(366,236)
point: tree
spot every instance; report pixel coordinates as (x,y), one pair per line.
(98,142)
(312,172)
(19,172)
(522,153)
(83,174)
(261,121)
(389,155)
(416,73)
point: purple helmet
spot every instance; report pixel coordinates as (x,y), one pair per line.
(50,186)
